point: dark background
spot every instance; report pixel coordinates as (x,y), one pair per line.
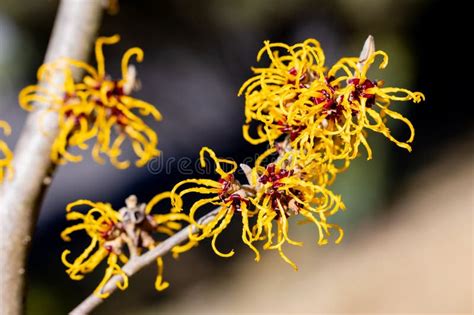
(197,54)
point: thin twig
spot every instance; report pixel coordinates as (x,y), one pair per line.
(74,31)
(139,262)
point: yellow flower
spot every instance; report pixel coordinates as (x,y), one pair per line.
(49,93)
(273,90)
(285,188)
(118,107)
(97,107)
(280,98)
(274,193)
(6,155)
(101,223)
(118,236)
(364,103)
(225,193)
(322,113)
(75,127)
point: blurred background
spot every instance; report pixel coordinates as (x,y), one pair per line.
(408,241)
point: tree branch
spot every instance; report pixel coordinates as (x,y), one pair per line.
(74,31)
(137,263)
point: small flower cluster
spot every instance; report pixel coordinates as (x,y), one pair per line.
(97,107)
(117,236)
(274,193)
(6,155)
(324,113)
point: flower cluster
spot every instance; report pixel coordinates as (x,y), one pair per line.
(324,112)
(117,236)
(6,155)
(314,120)
(274,193)
(97,107)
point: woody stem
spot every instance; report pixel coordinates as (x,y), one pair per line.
(74,31)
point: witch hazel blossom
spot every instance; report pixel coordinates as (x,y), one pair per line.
(118,236)
(273,194)
(96,108)
(319,108)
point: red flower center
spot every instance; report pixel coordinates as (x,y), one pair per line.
(360,91)
(279,197)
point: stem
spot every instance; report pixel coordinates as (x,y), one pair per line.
(139,262)
(74,30)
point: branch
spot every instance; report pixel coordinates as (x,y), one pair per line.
(139,262)
(74,31)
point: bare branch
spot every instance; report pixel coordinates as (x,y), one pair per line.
(74,31)
(137,263)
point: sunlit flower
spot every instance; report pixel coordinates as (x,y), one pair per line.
(274,193)
(225,193)
(284,189)
(364,103)
(97,108)
(272,92)
(323,113)
(118,107)
(6,155)
(117,236)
